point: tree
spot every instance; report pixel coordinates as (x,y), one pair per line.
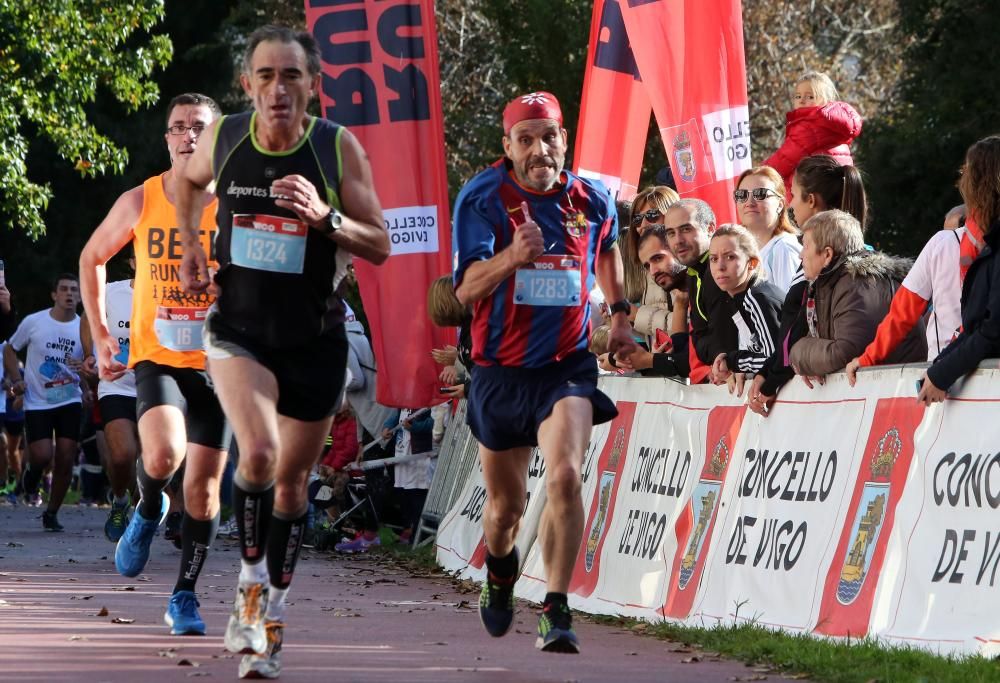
(55,57)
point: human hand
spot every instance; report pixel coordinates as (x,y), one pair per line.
(604,364)
(620,339)
(386,434)
(929,392)
(195,278)
(528,243)
(106,348)
(449,376)
(811,381)
(446,356)
(456,391)
(736,381)
(299,195)
(757,401)
(720,370)
(852,370)
(638,359)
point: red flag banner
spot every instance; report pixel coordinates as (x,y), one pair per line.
(381,80)
(690,55)
(615,108)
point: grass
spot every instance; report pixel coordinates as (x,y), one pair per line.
(802,656)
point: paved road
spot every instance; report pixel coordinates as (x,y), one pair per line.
(66,615)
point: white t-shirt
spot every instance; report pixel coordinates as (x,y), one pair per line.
(936,277)
(781,259)
(118,298)
(51,345)
(409,475)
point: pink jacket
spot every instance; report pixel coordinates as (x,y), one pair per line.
(829,129)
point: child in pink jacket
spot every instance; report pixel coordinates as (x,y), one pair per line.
(819,124)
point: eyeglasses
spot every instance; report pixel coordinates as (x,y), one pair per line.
(758,193)
(652,215)
(181,129)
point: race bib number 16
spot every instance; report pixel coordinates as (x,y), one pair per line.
(271,243)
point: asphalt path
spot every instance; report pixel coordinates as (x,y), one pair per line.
(66,615)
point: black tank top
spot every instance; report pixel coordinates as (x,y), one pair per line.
(276,273)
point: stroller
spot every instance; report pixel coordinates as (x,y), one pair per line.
(349,503)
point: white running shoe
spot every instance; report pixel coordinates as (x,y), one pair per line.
(268,663)
(245,632)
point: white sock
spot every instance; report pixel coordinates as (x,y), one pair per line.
(253,573)
(276,604)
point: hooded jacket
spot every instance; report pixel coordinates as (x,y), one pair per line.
(980,336)
(360,384)
(852,296)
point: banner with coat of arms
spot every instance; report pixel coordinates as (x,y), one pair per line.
(848,512)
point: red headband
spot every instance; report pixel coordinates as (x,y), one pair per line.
(535,105)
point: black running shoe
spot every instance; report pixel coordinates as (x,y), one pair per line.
(496,603)
(172,529)
(555,630)
(51,522)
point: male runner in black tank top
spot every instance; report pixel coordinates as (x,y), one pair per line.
(288,221)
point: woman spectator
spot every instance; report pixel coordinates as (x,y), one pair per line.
(819,183)
(849,293)
(754,304)
(760,203)
(446,311)
(817,124)
(980,336)
(651,305)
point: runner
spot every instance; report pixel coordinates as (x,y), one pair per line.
(178,413)
(53,400)
(275,339)
(531,238)
(116,403)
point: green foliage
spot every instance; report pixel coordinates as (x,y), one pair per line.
(55,56)
(950,97)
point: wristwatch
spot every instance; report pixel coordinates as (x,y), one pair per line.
(621,307)
(332,222)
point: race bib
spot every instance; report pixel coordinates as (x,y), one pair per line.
(179,329)
(60,390)
(552,280)
(261,242)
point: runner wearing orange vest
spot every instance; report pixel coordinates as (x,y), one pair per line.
(177,410)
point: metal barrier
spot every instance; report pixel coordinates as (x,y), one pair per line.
(458,455)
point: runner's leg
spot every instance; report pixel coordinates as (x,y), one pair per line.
(123,446)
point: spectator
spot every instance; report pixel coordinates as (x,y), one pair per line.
(651,304)
(955,218)
(446,311)
(688,224)
(818,124)
(849,293)
(754,304)
(760,203)
(412,479)
(819,184)
(980,336)
(669,356)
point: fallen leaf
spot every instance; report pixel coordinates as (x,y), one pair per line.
(103,612)
(187,662)
(15,544)
(123,588)
(80,597)
(122,620)
(691,660)
(170,654)
(72,561)
(77,638)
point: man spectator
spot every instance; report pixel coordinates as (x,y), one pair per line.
(689,224)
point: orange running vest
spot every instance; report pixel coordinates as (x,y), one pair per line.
(158,292)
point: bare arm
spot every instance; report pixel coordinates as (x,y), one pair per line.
(363,231)
(188,188)
(11,371)
(114,232)
(611,279)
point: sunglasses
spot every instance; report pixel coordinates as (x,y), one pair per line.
(652,215)
(758,193)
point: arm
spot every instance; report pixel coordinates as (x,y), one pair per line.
(905,312)
(114,232)
(764,321)
(792,149)
(423,425)
(362,231)
(853,326)
(357,374)
(10,368)
(611,279)
(188,189)
(838,123)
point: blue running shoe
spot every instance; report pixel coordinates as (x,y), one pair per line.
(182,615)
(496,602)
(555,630)
(132,551)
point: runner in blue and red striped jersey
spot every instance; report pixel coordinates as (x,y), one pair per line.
(532,238)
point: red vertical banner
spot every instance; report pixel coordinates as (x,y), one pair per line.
(696,522)
(690,55)
(849,591)
(614,109)
(610,464)
(381,80)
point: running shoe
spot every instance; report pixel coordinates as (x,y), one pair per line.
(555,630)
(12,498)
(358,545)
(33,500)
(496,602)
(132,551)
(268,663)
(172,529)
(245,632)
(117,520)
(182,615)
(228,529)
(51,522)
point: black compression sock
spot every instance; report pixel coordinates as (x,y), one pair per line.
(150,493)
(252,507)
(32,477)
(283,548)
(555,598)
(196,538)
(502,568)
